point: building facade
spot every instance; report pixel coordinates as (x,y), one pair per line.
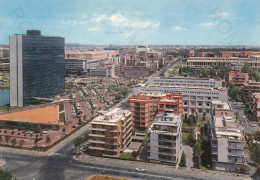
(195,99)
(249,88)
(227,144)
(136,71)
(164,143)
(234,63)
(110,133)
(184,81)
(237,77)
(36,67)
(145,106)
(255,105)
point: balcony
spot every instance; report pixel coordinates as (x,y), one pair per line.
(96,135)
(96,141)
(96,129)
(96,148)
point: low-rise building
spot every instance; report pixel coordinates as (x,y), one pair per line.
(255,105)
(145,106)
(110,133)
(234,63)
(237,77)
(249,88)
(164,135)
(227,143)
(184,81)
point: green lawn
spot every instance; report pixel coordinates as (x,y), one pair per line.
(126,156)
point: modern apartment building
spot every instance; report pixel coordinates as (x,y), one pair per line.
(110,133)
(164,135)
(227,144)
(195,99)
(234,63)
(249,88)
(255,105)
(237,77)
(184,81)
(36,67)
(145,106)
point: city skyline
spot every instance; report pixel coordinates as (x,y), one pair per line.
(133,22)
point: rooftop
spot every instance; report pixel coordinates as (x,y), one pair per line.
(43,115)
(111,117)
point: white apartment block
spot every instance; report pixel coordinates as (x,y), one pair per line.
(234,63)
(75,64)
(227,144)
(164,142)
(195,99)
(184,81)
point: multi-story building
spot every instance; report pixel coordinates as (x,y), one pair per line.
(238,53)
(4,53)
(234,63)
(164,135)
(184,81)
(107,71)
(195,99)
(137,71)
(145,106)
(110,133)
(4,66)
(227,144)
(171,102)
(255,105)
(140,49)
(222,109)
(249,88)
(237,77)
(36,67)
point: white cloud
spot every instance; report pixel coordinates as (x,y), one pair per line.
(74,22)
(207,24)
(119,20)
(95,29)
(138,13)
(178,28)
(99,18)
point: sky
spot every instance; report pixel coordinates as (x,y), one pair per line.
(135,22)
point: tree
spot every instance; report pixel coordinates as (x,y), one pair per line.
(13,142)
(237,115)
(183,160)
(258,171)
(7,139)
(63,130)
(197,155)
(48,139)
(36,140)
(5,175)
(77,142)
(21,143)
(185,118)
(135,154)
(204,117)
(244,169)
(86,136)
(257,136)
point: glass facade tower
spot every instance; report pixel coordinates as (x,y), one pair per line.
(37,67)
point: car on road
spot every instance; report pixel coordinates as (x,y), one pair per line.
(139,169)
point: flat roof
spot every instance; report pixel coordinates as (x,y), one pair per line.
(43,115)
